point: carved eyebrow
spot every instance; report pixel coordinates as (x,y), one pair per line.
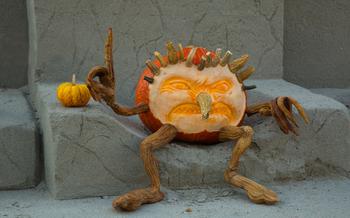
(192,84)
(168,85)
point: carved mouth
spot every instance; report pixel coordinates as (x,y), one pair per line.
(188,109)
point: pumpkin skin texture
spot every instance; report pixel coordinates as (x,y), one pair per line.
(71,94)
(172,99)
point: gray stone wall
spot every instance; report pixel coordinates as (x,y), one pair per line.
(67,37)
(13,44)
(317,43)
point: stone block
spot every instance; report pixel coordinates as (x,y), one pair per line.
(341,95)
(91,151)
(19,142)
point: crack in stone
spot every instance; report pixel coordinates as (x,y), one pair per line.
(195,25)
(7,155)
(81,125)
(49,22)
(95,155)
(266,51)
(137,54)
(74,37)
(156,4)
(97,24)
(324,122)
(269,19)
(125,145)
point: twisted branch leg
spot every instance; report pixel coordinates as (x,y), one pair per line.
(256,192)
(134,199)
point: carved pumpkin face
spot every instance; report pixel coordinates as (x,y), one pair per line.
(174,97)
(173,94)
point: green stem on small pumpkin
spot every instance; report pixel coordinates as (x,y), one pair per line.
(73,79)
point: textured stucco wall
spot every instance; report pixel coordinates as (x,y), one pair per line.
(13,43)
(317,43)
(68,36)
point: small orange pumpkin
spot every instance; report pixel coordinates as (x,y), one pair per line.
(71,94)
(172,98)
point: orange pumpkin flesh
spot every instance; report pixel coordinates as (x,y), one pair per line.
(142,96)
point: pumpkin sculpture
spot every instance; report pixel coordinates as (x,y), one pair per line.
(192,95)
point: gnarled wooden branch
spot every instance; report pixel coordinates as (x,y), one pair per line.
(104,89)
(281,109)
(134,199)
(256,192)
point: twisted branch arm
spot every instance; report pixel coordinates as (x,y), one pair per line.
(281,109)
(104,88)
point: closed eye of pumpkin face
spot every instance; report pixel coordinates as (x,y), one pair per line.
(182,84)
(175,84)
(221,86)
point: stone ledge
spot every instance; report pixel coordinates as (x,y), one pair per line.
(341,95)
(92,152)
(19,143)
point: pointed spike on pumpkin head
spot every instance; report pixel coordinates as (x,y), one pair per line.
(226,59)
(216,60)
(153,68)
(245,74)
(238,63)
(209,59)
(246,88)
(190,57)
(202,63)
(160,58)
(148,79)
(172,54)
(181,52)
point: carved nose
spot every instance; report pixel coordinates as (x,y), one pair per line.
(204,102)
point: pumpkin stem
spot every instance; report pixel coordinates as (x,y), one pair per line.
(152,67)
(226,59)
(73,79)
(181,53)
(204,101)
(245,74)
(190,57)
(172,54)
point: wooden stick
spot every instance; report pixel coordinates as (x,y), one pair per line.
(104,89)
(238,63)
(201,65)
(153,68)
(134,199)
(172,54)
(226,59)
(181,53)
(160,58)
(217,58)
(190,57)
(256,192)
(208,62)
(245,74)
(148,79)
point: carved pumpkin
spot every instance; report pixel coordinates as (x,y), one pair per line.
(184,92)
(73,94)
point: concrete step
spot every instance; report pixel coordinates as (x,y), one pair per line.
(321,198)
(91,151)
(19,142)
(341,95)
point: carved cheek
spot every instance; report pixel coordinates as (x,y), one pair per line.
(169,100)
